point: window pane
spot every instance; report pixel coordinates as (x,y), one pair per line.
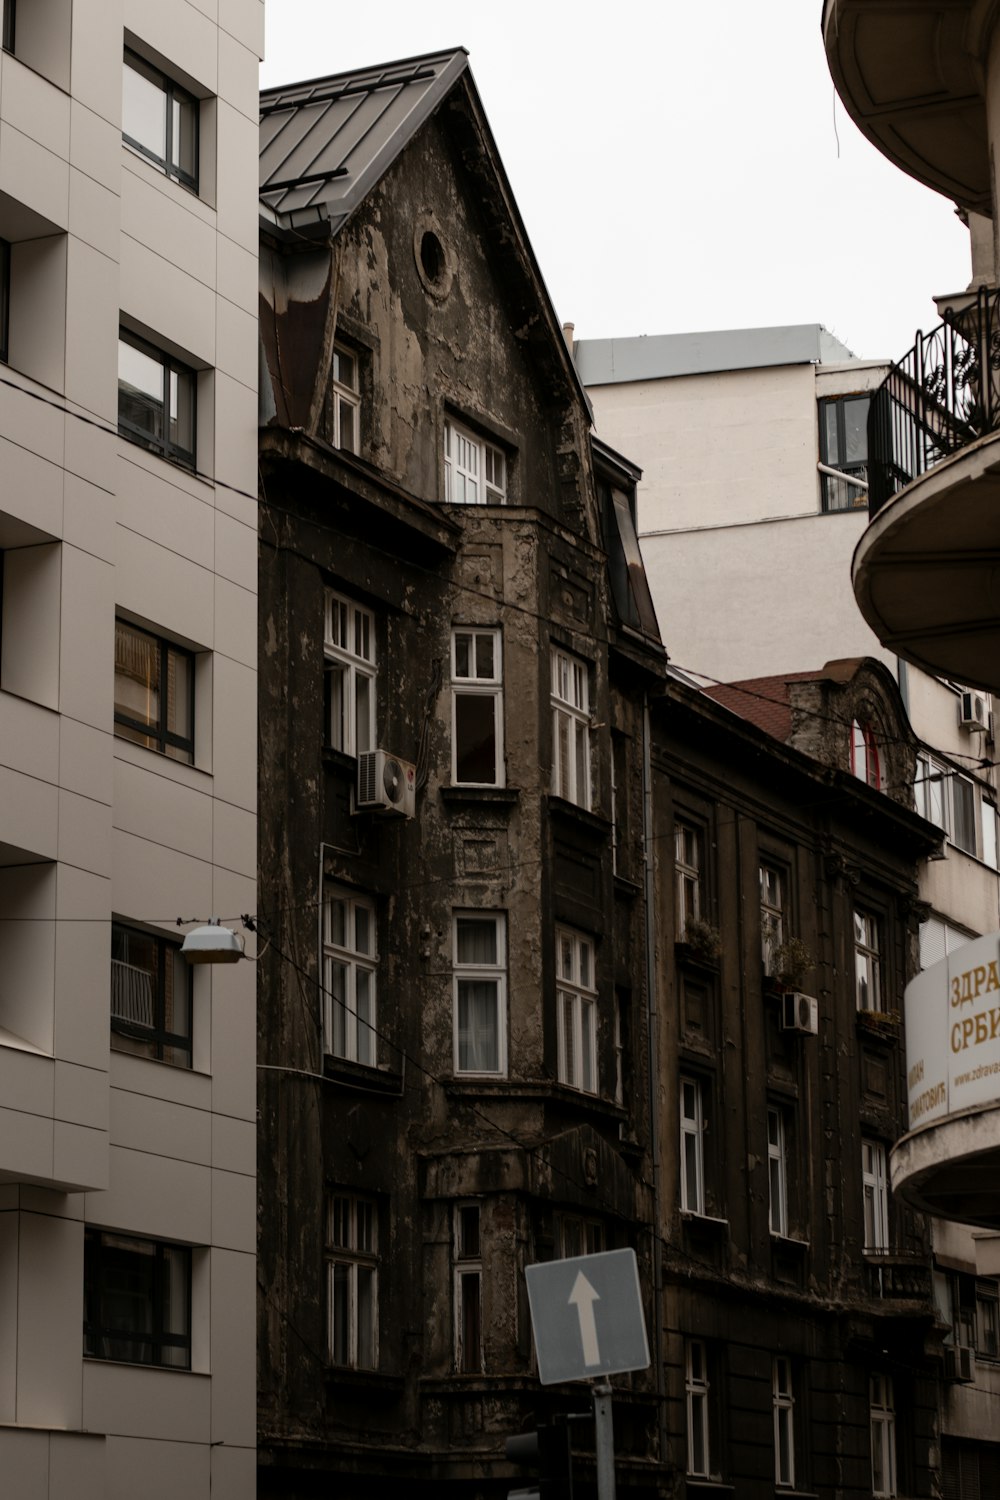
(965,807)
(366,1318)
(144,116)
(471,1320)
(366,1016)
(184,135)
(140,389)
(341,1299)
(855,430)
(475,739)
(478,1043)
(463,654)
(182,406)
(476,940)
(484,656)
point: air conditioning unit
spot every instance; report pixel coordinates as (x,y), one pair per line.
(799,1013)
(386,783)
(958,1364)
(972,711)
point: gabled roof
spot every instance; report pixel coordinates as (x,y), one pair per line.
(324,144)
(765,701)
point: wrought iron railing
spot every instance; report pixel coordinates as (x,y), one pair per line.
(940,397)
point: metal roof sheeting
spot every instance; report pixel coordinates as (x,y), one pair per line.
(326,143)
(659,356)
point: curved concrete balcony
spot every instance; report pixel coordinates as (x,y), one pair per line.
(911,75)
(952,1169)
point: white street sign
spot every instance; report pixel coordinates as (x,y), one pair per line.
(586,1314)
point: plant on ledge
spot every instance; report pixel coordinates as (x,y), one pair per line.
(790,962)
(704,940)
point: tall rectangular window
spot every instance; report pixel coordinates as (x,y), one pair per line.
(154,692)
(480,993)
(136,1300)
(468,1290)
(352,1281)
(150,997)
(843,445)
(875,1187)
(783,1402)
(349,648)
(475,471)
(883,1428)
(576,1010)
(929,786)
(867,962)
(477,708)
(772,915)
(350,959)
(988,1318)
(160,120)
(345,400)
(697,1390)
(687,875)
(777,1169)
(692,1146)
(570,728)
(963,795)
(579,1236)
(4,298)
(988,825)
(157,399)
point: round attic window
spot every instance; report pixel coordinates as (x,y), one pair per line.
(435,261)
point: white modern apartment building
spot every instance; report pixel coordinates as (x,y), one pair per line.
(128,415)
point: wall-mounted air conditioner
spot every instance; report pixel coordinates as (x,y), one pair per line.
(386,783)
(972,710)
(799,1013)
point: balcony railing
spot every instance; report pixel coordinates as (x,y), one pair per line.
(937,399)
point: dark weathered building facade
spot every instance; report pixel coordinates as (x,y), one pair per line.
(453,1024)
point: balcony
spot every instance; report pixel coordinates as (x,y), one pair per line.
(911,76)
(927,570)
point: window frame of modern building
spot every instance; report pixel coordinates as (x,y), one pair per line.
(466,972)
(987,1318)
(4,298)
(475,470)
(151,1268)
(953,802)
(688,865)
(8,25)
(345,399)
(867,960)
(692,1145)
(698,1398)
(178,106)
(576,1011)
(773,912)
(855,496)
(352,1262)
(480,684)
(159,734)
(571,723)
(468,1274)
(179,384)
(157,1041)
(350,976)
(350,652)
(865,761)
(783,1404)
(876,1234)
(882,1416)
(777,1171)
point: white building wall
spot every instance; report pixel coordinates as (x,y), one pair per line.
(92,826)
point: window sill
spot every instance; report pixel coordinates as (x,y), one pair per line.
(695,1485)
(687,953)
(882,1025)
(340,761)
(708,1223)
(95,1362)
(194,776)
(356,1075)
(571,812)
(628,890)
(369,1383)
(788,1244)
(491,796)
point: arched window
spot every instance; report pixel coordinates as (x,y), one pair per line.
(864,754)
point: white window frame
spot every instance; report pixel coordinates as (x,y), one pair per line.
(476,684)
(475,471)
(987,1318)
(955,803)
(875,1189)
(783,1401)
(777,1171)
(347,1033)
(772,913)
(687,869)
(468,1276)
(865,763)
(867,961)
(179,108)
(692,1142)
(352,670)
(579,1235)
(697,1389)
(571,773)
(355,1264)
(881,1404)
(576,1011)
(495,973)
(345,396)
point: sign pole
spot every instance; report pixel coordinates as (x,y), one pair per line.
(605,1441)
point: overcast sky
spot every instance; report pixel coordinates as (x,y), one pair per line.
(676,164)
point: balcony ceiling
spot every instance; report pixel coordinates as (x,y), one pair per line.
(952,1169)
(927,570)
(909,75)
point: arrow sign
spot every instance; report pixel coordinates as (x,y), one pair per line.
(562,1294)
(582,1297)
